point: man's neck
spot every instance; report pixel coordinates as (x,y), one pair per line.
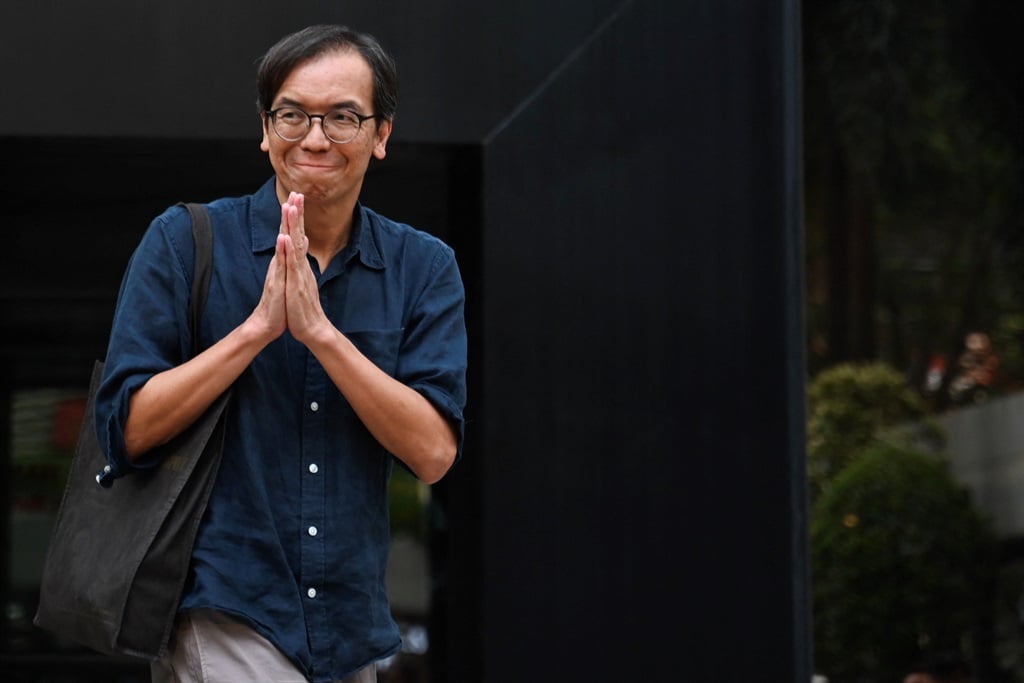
(328,230)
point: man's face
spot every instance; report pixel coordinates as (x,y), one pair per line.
(324,171)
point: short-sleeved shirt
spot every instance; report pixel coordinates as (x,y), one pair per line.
(295,538)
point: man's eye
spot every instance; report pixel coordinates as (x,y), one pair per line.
(290,116)
(344,118)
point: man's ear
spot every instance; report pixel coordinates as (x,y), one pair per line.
(380,145)
(265,143)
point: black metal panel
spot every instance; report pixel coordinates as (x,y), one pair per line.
(642,475)
(185,69)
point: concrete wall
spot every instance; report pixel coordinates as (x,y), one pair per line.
(986,453)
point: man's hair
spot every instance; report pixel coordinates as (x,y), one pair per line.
(302,46)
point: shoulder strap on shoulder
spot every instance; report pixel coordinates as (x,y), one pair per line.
(202,233)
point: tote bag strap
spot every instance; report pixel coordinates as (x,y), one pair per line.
(202,235)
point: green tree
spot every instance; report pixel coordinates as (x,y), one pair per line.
(852,406)
(902,565)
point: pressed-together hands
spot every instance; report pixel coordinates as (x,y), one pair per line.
(173,399)
(290,296)
(400,418)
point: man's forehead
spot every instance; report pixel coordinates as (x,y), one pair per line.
(340,76)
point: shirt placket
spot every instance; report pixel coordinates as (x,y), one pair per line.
(313,506)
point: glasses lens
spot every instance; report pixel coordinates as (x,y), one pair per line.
(341,126)
(291,124)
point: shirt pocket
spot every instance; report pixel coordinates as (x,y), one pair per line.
(380,346)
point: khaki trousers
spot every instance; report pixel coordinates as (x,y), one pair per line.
(210,647)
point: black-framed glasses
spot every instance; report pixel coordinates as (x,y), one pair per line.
(340,126)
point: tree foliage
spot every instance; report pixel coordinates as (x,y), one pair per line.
(901,564)
(914,160)
(853,406)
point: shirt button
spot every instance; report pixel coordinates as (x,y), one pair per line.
(313,469)
(314,406)
(312,531)
(311,592)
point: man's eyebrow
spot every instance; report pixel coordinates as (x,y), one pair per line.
(347,104)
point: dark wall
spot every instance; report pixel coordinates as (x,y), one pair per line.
(185,69)
(642,478)
(622,183)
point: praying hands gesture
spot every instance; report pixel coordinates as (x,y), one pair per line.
(399,417)
(290,297)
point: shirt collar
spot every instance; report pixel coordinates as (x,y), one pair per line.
(265,220)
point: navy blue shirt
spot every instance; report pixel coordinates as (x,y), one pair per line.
(295,538)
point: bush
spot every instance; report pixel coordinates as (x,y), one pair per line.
(901,564)
(850,407)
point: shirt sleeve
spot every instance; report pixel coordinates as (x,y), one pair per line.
(150,330)
(433,357)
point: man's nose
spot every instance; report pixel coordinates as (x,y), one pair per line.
(316,135)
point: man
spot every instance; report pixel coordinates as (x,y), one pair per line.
(342,334)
